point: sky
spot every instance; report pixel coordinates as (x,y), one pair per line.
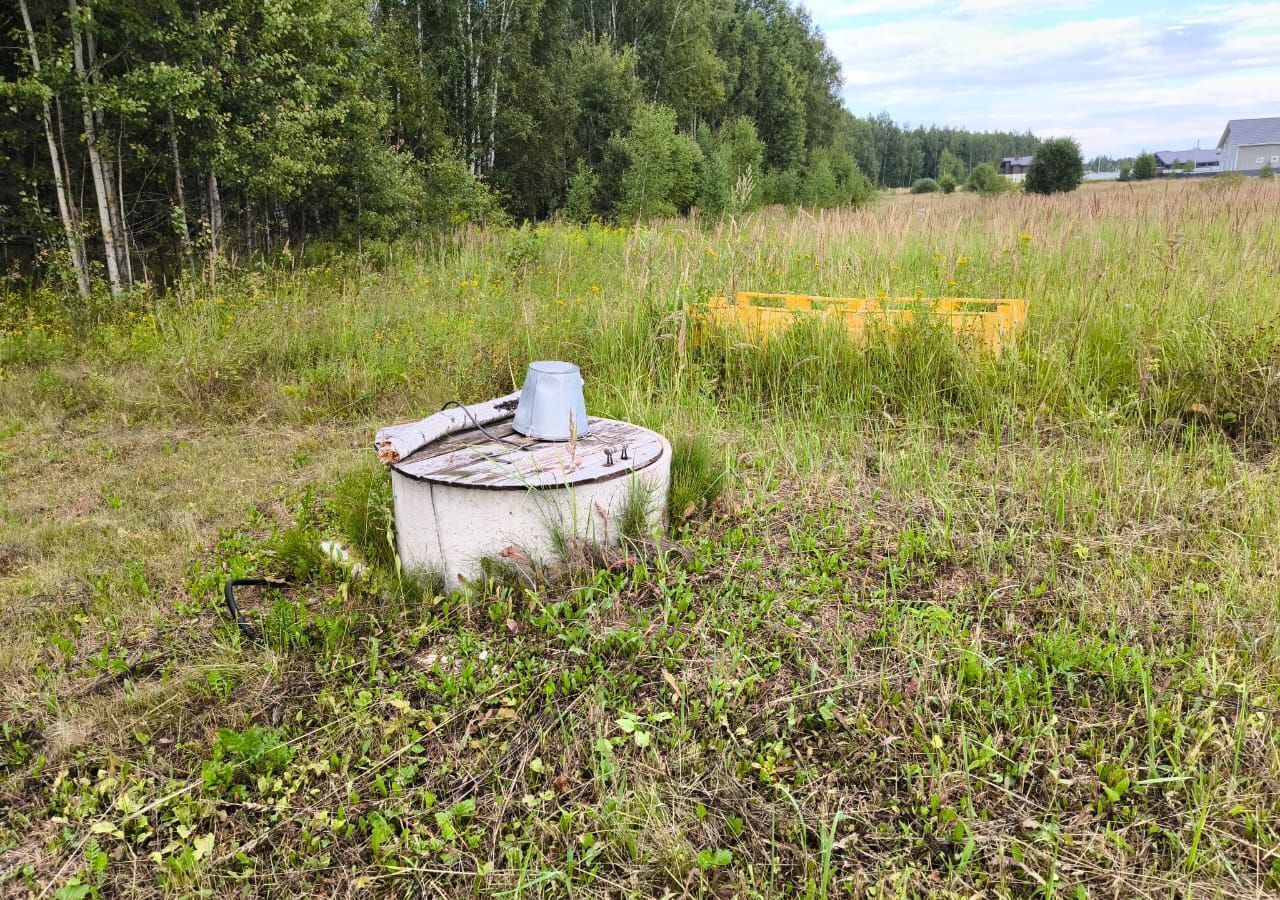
(1119,77)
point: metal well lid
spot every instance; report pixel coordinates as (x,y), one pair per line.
(611,449)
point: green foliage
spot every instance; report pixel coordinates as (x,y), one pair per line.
(1267,171)
(1144,167)
(239,757)
(985,180)
(781,187)
(948,184)
(579,206)
(951,166)
(715,189)
(246,131)
(698,474)
(454,196)
(660,167)
(820,188)
(926,186)
(1126,172)
(1057,168)
(606,93)
(361,502)
(782,117)
(832,179)
(737,142)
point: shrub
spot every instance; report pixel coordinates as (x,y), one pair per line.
(686,166)
(1126,173)
(729,175)
(660,171)
(1058,167)
(579,206)
(985,180)
(1267,171)
(715,192)
(743,150)
(925,186)
(1144,167)
(454,196)
(950,164)
(947,183)
(820,188)
(781,186)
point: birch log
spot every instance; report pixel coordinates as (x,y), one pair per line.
(397,442)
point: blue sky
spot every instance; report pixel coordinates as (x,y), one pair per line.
(1120,77)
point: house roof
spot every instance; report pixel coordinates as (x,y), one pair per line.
(1198,156)
(1251,131)
(1018,160)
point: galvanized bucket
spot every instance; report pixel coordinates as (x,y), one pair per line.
(551,406)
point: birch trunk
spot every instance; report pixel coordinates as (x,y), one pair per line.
(184,234)
(504,26)
(473,95)
(112,163)
(122,224)
(69,220)
(215,215)
(100,176)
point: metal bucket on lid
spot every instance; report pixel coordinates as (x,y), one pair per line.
(551,406)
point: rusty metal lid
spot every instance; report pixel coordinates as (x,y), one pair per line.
(473,459)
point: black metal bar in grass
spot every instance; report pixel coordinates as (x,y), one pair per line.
(229,598)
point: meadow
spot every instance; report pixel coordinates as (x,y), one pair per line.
(924,622)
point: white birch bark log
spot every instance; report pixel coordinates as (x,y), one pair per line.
(396,442)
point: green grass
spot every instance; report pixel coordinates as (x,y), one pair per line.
(925,622)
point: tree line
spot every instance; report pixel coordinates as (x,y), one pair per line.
(147,137)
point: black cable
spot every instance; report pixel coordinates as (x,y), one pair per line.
(481,428)
(229,597)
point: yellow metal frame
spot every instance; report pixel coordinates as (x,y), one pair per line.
(993,323)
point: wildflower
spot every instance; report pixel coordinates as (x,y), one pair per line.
(962,261)
(1025,237)
(951,282)
(595,288)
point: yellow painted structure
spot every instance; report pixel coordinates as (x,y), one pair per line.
(992,323)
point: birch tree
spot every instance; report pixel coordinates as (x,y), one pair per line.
(67,211)
(102,175)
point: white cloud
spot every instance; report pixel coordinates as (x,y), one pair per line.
(1126,79)
(835,10)
(1021,7)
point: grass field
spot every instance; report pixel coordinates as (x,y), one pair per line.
(925,622)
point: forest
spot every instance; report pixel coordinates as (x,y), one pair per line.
(145,138)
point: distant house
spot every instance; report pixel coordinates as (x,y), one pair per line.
(1174,162)
(1249,144)
(1015,165)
